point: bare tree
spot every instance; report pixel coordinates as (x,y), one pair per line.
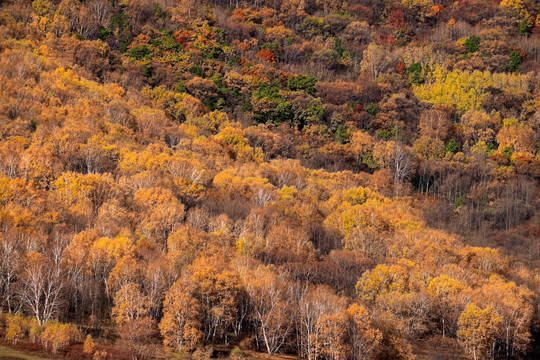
(101,11)
(9,268)
(313,305)
(270,297)
(41,287)
(403,163)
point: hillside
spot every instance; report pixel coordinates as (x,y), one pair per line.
(270,179)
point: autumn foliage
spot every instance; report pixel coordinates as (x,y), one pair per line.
(320,179)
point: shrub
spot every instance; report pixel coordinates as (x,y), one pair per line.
(57,335)
(15,331)
(302,83)
(515,61)
(89,346)
(372,109)
(101,355)
(472,43)
(266,55)
(237,353)
(139,52)
(415,73)
(451,146)
(313,26)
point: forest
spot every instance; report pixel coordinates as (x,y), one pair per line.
(270,179)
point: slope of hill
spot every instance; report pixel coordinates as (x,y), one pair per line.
(322,180)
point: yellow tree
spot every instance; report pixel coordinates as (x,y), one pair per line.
(56,335)
(130,303)
(14,328)
(515,305)
(332,341)
(221,293)
(362,145)
(89,346)
(78,273)
(160,210)
(382,279)
(519,137)
(479,330)
(126,271)
(84,194)
(181,322)
(364,338)
(444,291)
(103,255)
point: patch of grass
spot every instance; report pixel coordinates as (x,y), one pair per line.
(7,353)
